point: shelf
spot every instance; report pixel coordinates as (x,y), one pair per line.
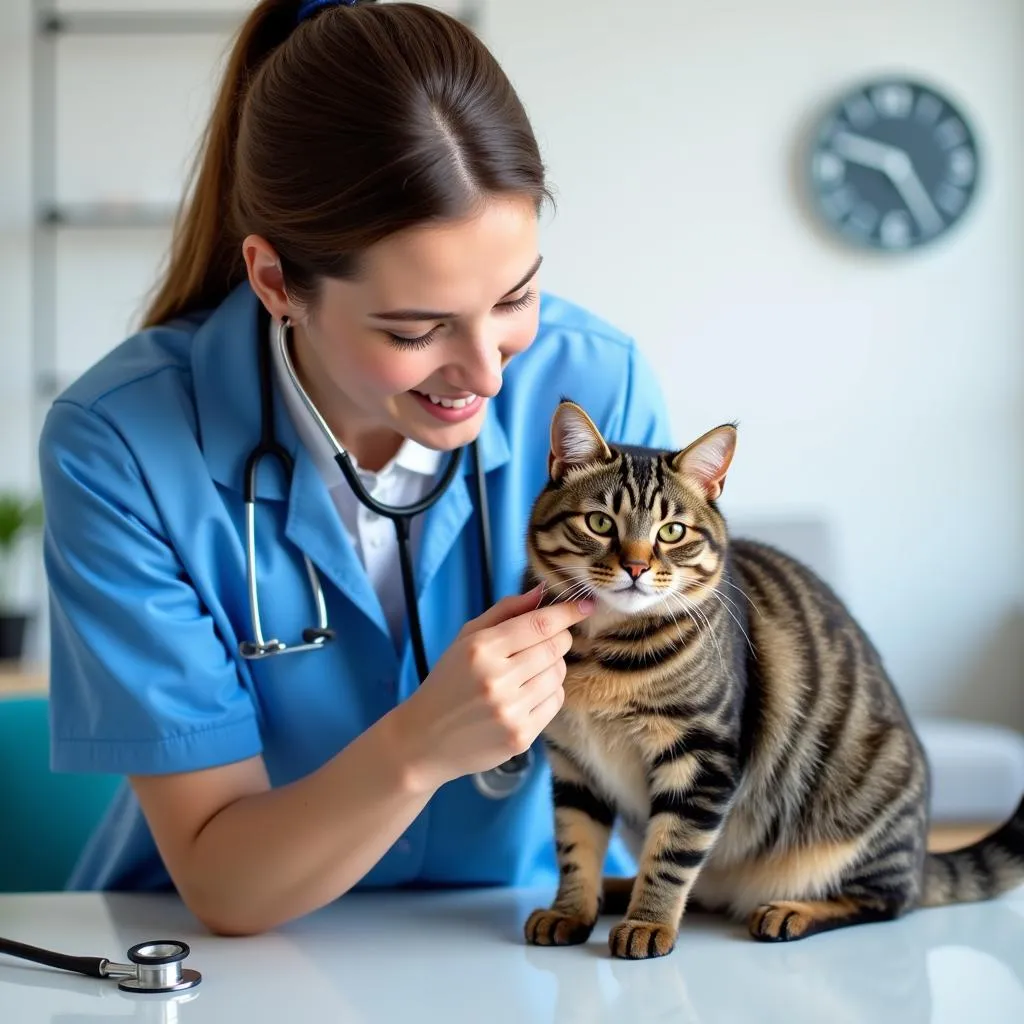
(108,215)
(20,679)
(97,23)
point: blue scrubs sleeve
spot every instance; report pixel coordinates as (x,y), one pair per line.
(140,682)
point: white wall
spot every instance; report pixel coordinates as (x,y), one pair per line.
(884,396)
(14,241)
(881,398)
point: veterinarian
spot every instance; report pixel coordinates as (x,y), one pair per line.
(285,519)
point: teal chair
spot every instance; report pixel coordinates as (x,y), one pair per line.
(45,817)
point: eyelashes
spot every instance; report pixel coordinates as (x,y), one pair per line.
(512,306)
(515,305)
(412,343)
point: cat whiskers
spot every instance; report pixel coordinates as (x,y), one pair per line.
(693,611)
(739,590)
(697,610)
(719,597)
(580,590)
(574,589)
(573,572)
(705,586)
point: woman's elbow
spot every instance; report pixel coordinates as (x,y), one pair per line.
(224,915)
(226,923)
(241,917)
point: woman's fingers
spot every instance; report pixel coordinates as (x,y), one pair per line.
(507,608)
(534,627)
(542,687)
(542,655)
(542,714)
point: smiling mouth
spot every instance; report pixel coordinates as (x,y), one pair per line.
(448,403)
(449,409)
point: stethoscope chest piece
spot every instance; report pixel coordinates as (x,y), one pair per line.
(506,779)
(156,967)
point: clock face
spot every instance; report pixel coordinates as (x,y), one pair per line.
(894,165)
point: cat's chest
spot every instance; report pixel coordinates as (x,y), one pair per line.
(592,689)
(611,757)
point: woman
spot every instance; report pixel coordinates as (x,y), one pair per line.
(368,191)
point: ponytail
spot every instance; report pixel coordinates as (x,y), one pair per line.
(329,135)
(205,261)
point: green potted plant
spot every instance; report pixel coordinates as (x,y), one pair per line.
(18,517)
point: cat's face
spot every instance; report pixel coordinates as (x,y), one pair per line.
(635,529)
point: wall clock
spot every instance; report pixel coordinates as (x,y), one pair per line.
(893,165)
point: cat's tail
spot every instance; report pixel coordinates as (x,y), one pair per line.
(991,866)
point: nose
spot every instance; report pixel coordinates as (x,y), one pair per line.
(635,568)
(477,367)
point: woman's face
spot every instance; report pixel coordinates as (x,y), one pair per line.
(416,346)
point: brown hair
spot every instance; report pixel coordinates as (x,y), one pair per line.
(330,134)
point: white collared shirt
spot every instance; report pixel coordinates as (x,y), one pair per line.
(405,479)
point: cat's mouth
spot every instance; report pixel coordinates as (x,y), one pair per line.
(637,586)
(630,599)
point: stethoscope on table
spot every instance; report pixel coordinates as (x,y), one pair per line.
(497,782)
(155,966)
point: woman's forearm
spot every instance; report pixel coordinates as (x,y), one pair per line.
(276,855)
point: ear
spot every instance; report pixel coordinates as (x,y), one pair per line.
(575,441)
(707,460)
(263,268)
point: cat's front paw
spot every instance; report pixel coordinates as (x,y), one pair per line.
(641,940)
(554,928)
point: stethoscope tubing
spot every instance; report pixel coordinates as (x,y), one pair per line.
(498,782)
(402,518)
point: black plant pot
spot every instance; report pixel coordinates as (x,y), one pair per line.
(13,627)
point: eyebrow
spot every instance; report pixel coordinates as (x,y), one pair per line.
(425,314)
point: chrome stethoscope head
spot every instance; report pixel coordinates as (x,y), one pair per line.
(504,780)
(155,966)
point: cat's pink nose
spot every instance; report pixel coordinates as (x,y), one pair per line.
(635,569)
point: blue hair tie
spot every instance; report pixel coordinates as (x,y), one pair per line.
(312,6)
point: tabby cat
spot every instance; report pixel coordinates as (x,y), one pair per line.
(723,706)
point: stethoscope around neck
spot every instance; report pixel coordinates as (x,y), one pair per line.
(497,782)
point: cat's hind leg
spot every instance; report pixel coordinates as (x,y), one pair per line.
(879,888)
(786,920)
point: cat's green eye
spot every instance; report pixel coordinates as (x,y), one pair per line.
(671,532)
(601,524)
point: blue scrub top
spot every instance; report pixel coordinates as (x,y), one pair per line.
(142,470)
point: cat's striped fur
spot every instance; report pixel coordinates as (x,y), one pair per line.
(723,705)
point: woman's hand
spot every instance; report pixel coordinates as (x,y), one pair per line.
(493,690)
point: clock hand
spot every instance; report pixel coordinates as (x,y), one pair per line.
(860,150)
(915,195)
(897,166)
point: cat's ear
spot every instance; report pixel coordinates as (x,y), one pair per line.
(575,441)
(707,460)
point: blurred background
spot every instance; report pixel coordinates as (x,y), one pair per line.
(880,394)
